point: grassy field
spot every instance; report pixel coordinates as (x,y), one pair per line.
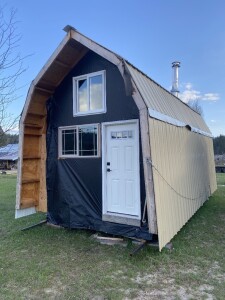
(220,178)
(49,263)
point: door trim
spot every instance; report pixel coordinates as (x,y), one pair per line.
(116,217)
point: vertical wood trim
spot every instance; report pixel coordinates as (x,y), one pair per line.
(146,149)
(42,205)
(19,167)
(146,154)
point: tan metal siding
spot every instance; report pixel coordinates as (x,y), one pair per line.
(183,173)
(164,102)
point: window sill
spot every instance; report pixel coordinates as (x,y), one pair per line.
(66,157)
(82,114)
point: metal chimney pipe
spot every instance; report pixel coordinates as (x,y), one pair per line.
(175,66)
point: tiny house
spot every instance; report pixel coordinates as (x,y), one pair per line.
(104,147)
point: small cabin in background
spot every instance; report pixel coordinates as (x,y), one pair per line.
(9,157)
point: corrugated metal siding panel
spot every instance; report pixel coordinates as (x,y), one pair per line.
(183,173)
(161,100)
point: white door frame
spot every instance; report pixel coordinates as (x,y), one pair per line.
(114,217)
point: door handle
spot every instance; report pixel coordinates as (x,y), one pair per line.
(108,170)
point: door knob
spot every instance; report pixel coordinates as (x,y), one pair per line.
(108,170)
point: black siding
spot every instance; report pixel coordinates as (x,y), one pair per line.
(74,185)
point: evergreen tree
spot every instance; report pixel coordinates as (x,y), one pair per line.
(219,144)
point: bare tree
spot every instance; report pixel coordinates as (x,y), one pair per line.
(11,67)
(196,106)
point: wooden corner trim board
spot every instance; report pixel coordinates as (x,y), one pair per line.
(148,174)
(146,153)
(19,167)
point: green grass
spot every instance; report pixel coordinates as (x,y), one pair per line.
(220,177)
(49,263)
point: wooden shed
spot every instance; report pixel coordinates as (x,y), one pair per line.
(104,147)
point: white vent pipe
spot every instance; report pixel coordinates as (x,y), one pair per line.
(175,89)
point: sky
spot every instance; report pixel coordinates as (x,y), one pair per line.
(148,33)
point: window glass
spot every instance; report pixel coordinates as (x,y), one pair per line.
(69,142)
(122,134)
(96,93)
(89,93)
(119,135)
(79,141)
(88,141)
(113,135)
(130,134)
(83,104)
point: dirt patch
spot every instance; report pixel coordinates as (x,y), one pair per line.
(53,292)
(162,285)
(193,271)
(215,273)
(172,292)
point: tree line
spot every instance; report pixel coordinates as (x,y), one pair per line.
(219,144)
(7,138)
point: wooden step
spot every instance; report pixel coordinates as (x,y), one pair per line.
(28,202)
(33,134)
(30,180)
(51,91)
(36,126)
(31,157)
(37,115)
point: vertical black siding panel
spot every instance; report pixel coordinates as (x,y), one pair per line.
(79,180)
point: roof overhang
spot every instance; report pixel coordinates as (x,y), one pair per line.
(70,51)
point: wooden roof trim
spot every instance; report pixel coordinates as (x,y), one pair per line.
(105,53)
(62,64)
(41,74)
(52,58)
(83,40)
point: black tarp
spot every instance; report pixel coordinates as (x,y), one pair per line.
(74,185)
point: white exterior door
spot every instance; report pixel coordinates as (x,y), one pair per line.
(122,191)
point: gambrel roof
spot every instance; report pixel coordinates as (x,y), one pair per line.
(74,47)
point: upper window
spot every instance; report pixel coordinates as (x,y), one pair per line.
(89,94)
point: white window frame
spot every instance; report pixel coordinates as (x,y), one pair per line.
(60,129)
(75,94)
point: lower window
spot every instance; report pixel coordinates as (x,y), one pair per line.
(79,141)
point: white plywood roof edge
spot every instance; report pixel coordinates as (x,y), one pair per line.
(167,119)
